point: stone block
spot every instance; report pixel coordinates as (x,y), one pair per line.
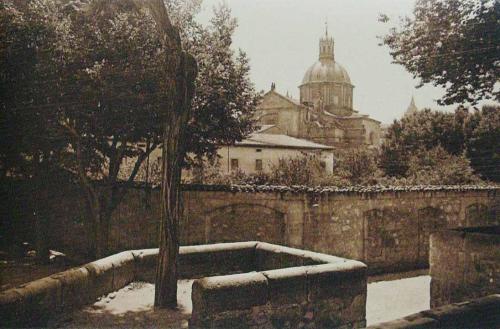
(419,322)
(344,279)
(145,264)
(217,294)
(266,260)
(208,260)
(479,313)
(100,276)
(12,308)
(271,256)
(230,319)
(123,269)
(315,258)
(287,286)
(40,300)
(75,289)
(464,264)
(287,316)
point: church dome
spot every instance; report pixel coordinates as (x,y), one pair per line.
(326,83)
(326,71)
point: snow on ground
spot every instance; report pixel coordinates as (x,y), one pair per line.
(132,306)
(390,300)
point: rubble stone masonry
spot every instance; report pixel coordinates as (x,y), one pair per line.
(386,228)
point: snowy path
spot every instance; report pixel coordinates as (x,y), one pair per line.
(389,300)
(132,306)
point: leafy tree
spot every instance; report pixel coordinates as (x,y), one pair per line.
(31,147)
(424,129)
(113,89)
(482,143)
(107,84)
(453,44)
(113,100)
(299,170)
(474,134)
(357,166)
(438,167)
(225,98)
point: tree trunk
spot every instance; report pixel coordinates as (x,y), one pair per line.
(180,76)
(94,227)
(42,182)
(173,155)
(104,233)
(41,227)
(100,222)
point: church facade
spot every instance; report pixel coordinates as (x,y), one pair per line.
(324,114)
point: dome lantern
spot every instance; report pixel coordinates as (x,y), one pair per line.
(326,47)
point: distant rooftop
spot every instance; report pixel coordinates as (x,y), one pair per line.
(272,140)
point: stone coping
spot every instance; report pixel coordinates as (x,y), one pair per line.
(486,230)
(359,189)
(478,313)
(36,302)
(337,190)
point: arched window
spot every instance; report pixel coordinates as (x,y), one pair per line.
(372,138)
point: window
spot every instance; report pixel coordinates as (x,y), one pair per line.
(335,100)
(258,165)
(234,164)
(258,150)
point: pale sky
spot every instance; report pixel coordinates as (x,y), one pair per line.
(281,39)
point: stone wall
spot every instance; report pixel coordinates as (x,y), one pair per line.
(465,264)
(386,228)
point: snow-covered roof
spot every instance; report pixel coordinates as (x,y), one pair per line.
(276,140)
(264,128)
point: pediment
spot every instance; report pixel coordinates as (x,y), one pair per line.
(273,99)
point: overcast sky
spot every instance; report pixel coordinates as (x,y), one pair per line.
(281,39)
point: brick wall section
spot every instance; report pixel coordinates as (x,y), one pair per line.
(386,228)
(465,264)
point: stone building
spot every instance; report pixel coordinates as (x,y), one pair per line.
(261,151)
(324,114)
